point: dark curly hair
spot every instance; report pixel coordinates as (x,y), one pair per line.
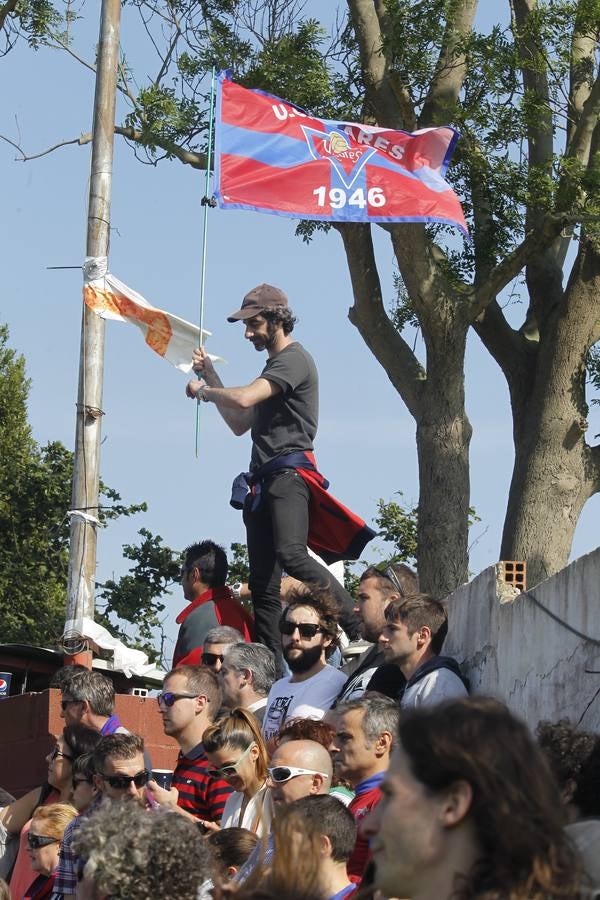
(280,315)
(565,747)
(326,607)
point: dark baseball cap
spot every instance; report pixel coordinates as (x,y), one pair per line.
(265,296)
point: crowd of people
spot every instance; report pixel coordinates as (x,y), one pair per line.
(381,777)
(301,776)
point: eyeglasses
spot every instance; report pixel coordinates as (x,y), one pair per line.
(280,774)
(231,770)
(391,575)
(168,698)
(65,703)
(305,629)
(122,782)
(56,752)
(209,659)
(35,841)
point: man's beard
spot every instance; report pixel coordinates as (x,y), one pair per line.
(303,662)
(266,343)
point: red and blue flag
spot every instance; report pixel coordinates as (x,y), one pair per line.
(273,157)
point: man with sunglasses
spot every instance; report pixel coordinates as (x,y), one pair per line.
(211,603)
(377,588)
(119,773)
(298,769)
(308,628)
(217,644)
(188,704)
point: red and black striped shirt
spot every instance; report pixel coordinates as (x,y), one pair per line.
(200,793)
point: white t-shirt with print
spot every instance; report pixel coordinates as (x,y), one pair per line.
(309,699)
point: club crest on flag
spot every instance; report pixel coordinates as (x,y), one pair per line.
(274,157)
(346,156)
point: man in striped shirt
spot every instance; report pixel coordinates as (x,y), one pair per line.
(190,699)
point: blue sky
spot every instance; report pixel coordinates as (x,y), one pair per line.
(365,444)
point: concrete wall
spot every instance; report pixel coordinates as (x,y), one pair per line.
(510,647)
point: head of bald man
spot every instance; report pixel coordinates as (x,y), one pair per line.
(301,755)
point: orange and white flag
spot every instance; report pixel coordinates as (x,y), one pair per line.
(171,337)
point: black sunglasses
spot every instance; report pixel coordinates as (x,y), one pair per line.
(168,698)
(305,629)
(122,782)
(65,703)
(35,841)
(209,659)
(56,751)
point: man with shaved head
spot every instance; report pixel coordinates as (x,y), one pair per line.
(298,769)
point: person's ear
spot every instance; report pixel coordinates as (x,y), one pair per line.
(231,871)
(317,784)
(456,803)
(98,784)
(201,703)
(325,847)
(424,636)
(567,792)
(383,744)
(246,676)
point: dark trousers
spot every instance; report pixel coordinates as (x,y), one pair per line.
(277,533)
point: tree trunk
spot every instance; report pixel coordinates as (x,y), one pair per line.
(555,471)
(443,438)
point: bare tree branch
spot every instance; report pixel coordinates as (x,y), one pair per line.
(594,455)
(451,66)
(64,46)
(540,145)
(369,316)
(374,64)
(188,157)
(514,262)
(581,138)
(504,344)
(5,11)
(583,62)
(23,157)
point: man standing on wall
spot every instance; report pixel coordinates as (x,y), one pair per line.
(280,408)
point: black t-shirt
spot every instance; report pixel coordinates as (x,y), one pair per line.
(287,421)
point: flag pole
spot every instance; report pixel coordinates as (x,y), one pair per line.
(207,202)
(86,463)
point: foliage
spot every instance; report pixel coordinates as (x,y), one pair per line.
(135,597)
(35,494)
(398,526)
(32,20)
(239,565)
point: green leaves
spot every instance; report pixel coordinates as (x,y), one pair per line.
(35,495)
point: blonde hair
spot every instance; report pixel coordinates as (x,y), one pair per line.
(54,818)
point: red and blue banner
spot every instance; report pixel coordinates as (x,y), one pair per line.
(271,156)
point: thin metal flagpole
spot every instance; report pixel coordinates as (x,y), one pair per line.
(207,202)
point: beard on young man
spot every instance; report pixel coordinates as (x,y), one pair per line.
(300,659)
